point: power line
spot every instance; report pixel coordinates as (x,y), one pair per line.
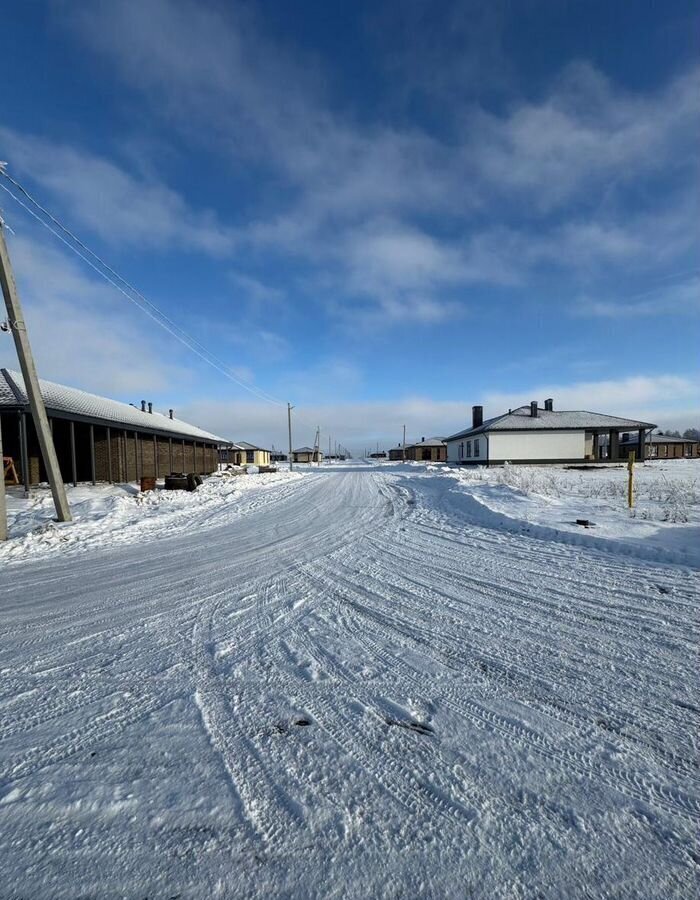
(119,283)
(138,299)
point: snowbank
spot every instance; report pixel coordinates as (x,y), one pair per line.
(105,515)
(665,521)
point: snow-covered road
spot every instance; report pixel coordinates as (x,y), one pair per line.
(357,690)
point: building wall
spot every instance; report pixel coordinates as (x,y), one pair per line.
(250,457)
(536,446)
(437,454)
(457,450)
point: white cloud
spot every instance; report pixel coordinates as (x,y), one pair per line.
(120,207)
(652,398)
(217,72)
(680,299)
(671,401)
(81,334)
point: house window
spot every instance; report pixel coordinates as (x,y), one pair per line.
(461,450)
(469,449)
(250,456)
(476,447)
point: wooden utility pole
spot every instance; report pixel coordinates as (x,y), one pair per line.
(403,446)
(289,425)
(31,382)
(317,446)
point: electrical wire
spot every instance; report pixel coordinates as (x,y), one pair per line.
(119,283)
(142,303)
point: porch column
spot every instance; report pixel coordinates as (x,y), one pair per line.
(139,469)
(614,445)
(73,460)
(594,445)
(641,455)
(109,454)
(24,450)
(92,453)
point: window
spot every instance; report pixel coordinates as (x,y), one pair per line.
(476,447)
(250,456)
(461,450)
(469,449)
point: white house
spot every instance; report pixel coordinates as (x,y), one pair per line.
(532,434)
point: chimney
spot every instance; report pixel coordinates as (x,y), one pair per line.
(477,416)
(549,405)
(533,409)
(150,407)
(170,413)
(422,439)
(143,406)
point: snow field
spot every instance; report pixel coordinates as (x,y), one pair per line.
(362,687)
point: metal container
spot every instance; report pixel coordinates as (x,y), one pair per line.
(148,483)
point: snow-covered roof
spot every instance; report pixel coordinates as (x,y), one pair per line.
(71,401)
(244,445)
(305,450)
(520,419)
(430,442)
(659,439)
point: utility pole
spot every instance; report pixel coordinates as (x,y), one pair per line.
(31,382)
(289,424)
(403,446)
(317,446)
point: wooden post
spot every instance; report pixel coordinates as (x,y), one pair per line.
(73,459)
(109,454)
(3,502)
(630,480)
(31,381)
(92,454)
(139,467)
(24,450)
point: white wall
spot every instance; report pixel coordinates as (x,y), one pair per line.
(453,450)
(536,445)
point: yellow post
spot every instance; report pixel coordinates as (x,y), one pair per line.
(630,479)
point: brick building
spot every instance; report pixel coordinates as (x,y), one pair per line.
(98,439)
(430,450)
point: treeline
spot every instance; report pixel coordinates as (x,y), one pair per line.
(690,434)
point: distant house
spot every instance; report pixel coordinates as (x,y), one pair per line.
(660,446)
(278,456)
(532,434)
(431,450)
(242,453)
(306,455)
(98,439)
(397,453)
(378,454)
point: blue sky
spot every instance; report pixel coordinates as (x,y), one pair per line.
(383,212)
